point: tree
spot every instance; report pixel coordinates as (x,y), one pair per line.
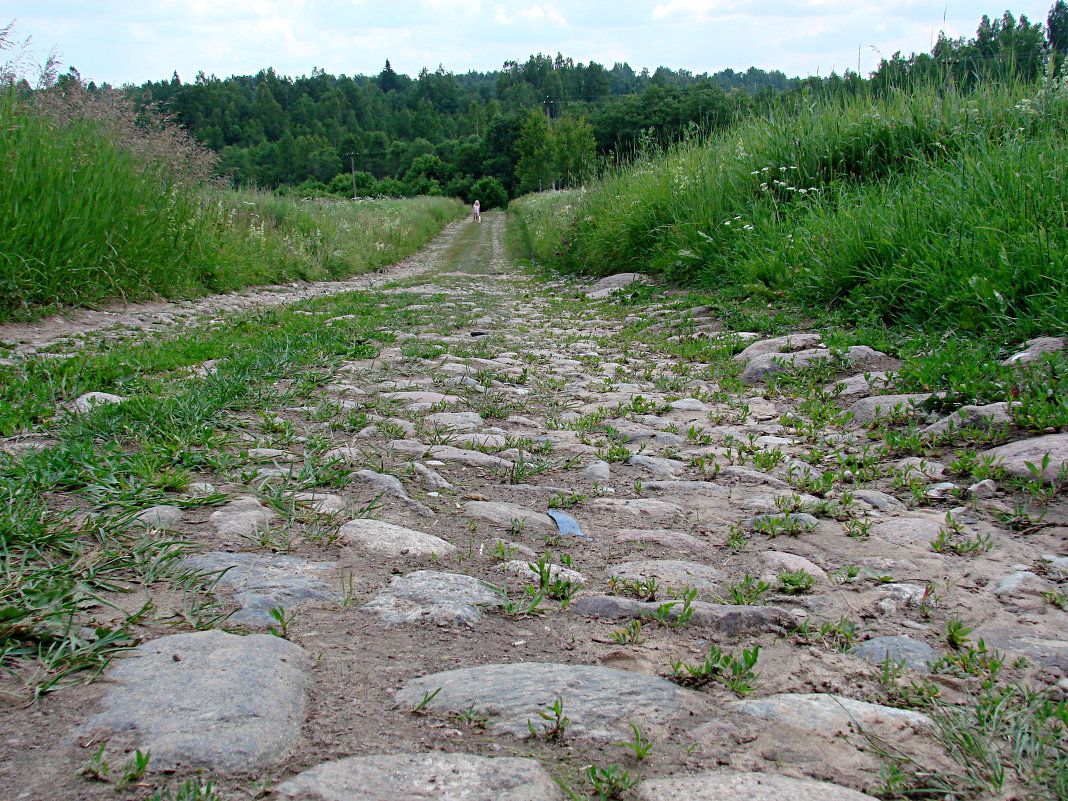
(1057,33)
(388,80)
(575,150)
(535,169)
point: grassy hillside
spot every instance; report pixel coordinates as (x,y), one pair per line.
(96,206)
(933,209)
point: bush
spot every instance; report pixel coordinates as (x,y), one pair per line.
(490,193)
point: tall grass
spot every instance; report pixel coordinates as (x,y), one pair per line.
(930,207)
(92,211)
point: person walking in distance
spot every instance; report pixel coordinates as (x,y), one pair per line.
(476,212)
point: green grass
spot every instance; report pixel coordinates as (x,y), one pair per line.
(62,563)
(89,218)
(929,209)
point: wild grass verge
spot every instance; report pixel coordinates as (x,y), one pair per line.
(92,211)
(932,209)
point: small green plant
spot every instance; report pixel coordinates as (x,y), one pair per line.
(97,767)
(559,500)
(642,589)
(428,696)
(734,671)
(957,633)
(638,745)
(555,722)
(839,635)
(470,717)
(135,769)
(278,614)
(748,591)
(189,790)
(503,551)
(795,582)
(631,634)
(953,539)
(348,589)
(610,782)
(737,537)
(857,528)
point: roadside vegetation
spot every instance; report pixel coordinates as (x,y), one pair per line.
(936,208)
(920,198)
(101,203)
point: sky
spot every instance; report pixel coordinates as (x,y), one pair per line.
(119,41)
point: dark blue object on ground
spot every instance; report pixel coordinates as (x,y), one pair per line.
(566,523)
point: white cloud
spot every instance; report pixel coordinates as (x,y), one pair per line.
(466,7)
(532,15)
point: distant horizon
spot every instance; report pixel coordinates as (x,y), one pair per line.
(108,42)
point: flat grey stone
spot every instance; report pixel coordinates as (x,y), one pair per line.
(657,464)
(206,699)
(879,500)
(689,405)
(1036,348)
(455,421)
(916,654)
(1014,456)
(786,344)
(601,702)
(390,540)
(829,713)
(673,573)
(504,513)
(90,400)
(261,582)
(918,466)
(391,486)
(418,400)
(1020,584)
(988,416)
(1046,647)
(423,777)
(776,561)
(733,474)
(242,517)
(655,511)
(762,367)
(448,453)
(728,619)
(434,597)
(597,470)
(611,284)
(867,409)
(321,502)
(684,487)
(431,478)
(522,570)
(730,786)
(908,531)
(159,517)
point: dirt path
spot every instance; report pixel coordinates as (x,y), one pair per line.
(718,624)
(120,321)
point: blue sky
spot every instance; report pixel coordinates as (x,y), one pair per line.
(129,42)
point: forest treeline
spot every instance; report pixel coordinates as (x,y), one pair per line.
(476,134)
(441,133)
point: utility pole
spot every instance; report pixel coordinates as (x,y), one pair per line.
(548,103)
(352,168)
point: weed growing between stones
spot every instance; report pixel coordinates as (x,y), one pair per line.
(733,671)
